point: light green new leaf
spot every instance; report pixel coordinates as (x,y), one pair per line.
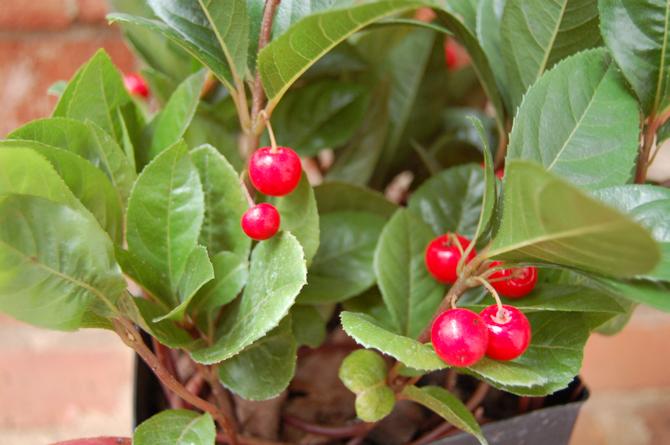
(230,276)
(447,406)
(364,373)
(637,33)
(86,140)
(276,276)
(56,264)
(536,35)
(335,196)
(291,54)
(342,266)
(171,122)
(176,427)
(323,114)
(264,369)
(411,294)
(225,203)
(650,206)
(165,212)
(451,201)
(580,122)
(97,94)
(367,332)
(545,219)
(300,216)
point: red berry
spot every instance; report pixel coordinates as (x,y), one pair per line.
(261,221)
(442,257)
(509,335)
(513,283)
(455,56)
(275,173)
(136,85)
(500,173)
(459,337)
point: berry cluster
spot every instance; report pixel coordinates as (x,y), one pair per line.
(462,337)
(273,171)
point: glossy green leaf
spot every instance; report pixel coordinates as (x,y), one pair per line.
(230,276)
(86,140)
(97,94)
(291,54)
(637,33)
(300,216)
(264,369)
(144,312)
(336,196)
(309,326)
(364,373)
(447,406)
(651,293)
(225,203)
(323,114)
(452,200)
(165,212)
(197,271)
(489,16)
(53,273)
(144,275)
(88,185)
(580,233)
(580,122)
(291,11)
(411,294)
(276,276)
(650,206)
(489,196)
(368,333)
(171,122)
(342,267)
(176,427)
(536,35)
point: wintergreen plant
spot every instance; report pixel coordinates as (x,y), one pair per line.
(125,215)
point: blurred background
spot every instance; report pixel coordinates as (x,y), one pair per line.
(55,386)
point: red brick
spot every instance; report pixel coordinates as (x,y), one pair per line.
(27,15)
(37,61)
(54,388)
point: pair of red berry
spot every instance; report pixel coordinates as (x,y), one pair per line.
(273,172)
(445,252)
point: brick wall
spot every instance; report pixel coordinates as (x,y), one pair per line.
(43,41)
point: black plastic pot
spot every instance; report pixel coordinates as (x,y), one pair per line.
(551,425)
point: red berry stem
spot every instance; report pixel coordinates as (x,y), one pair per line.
(273,142)
(500,315)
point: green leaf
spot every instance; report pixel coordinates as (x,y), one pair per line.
(368,333)
(536,35)
(309,326)
(648,205)
(447,406)
(323,114)
(197,272)
(225,203)
(144,275)
(176,427)
(637,33)
(276,276)
(209,55)
(411,294)
(335,196)
(291,11)
(300,216)
(89,185)
(371,303)
(291,54)
(452,200)
(264,369)
(651,293)
(86,140)
(143,312)
(364,373)
(97,94)
(56,263)
(230,276)
(489,196)
(580,122)
(165,212)
(489,16)
(171,122)
(580,232)
(342,267)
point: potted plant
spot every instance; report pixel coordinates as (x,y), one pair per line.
(306,218)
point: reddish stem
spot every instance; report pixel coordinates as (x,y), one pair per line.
(165,357)
(97,441)
(337,432)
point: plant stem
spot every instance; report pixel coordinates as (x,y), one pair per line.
(645,149)
(247,440)
(337,432)
(221,396)
(165,358)
(131,337)
(258,95)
